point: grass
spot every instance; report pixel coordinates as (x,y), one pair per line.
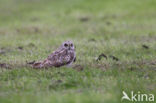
(32,29)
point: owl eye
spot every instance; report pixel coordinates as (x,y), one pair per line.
(65,45)
(71,45)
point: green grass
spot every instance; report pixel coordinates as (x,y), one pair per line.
(112,27)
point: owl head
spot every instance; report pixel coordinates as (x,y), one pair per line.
(68,45)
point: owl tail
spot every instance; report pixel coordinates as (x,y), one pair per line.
(41,64)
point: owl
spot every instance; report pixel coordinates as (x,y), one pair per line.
(64,55)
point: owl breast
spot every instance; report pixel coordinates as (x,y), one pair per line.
(68,57)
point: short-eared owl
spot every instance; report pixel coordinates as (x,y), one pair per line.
(64,55)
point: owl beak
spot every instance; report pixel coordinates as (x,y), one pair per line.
(69,48)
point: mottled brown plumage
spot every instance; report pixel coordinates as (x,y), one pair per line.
(64,55)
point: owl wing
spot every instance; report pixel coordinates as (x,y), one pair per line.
(52,60)
(60,57)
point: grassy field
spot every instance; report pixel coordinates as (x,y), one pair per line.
(123,30)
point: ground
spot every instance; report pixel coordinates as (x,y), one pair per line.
(123,31)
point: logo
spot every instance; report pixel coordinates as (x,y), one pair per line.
(137,96)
